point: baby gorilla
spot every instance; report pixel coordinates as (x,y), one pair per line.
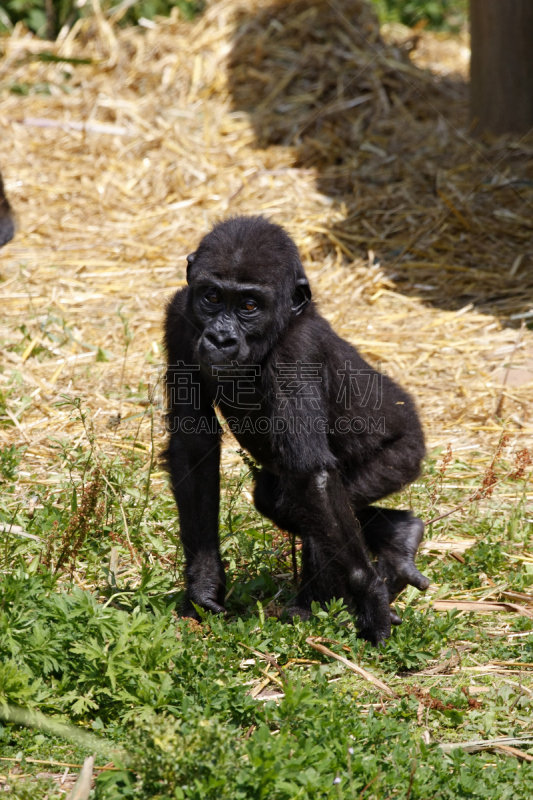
(331,434)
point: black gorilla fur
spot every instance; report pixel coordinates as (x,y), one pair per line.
(248,304)
(7,226)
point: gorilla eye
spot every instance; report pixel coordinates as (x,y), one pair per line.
(249,305)
(212,296)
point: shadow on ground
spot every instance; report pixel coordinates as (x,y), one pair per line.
(449,218)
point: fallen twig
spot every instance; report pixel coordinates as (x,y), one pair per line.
(314,643)
(447,545)
(260,686)
(514,751)
(489,744)
(499,405)
(525,598)
(57,763)
(480,606)
(16,530)
(270,659)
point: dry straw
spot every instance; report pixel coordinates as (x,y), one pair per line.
(417,240)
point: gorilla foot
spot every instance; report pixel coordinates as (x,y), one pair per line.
(303,612)
(373,613)
(306,614)
(188,610)
(369,601)
(396,562)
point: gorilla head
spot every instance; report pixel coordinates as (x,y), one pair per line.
(247,282)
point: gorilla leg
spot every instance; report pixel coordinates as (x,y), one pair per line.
(394,537)
(193,463)
(335,562)
(267,494)
(267,501)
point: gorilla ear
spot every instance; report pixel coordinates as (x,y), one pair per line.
(190,261)
(301,297)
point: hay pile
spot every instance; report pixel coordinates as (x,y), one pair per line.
(417,241)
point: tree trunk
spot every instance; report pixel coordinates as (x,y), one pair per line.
(501,71)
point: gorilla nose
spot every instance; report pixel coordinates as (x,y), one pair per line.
(222,341)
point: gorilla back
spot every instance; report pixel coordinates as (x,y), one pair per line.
(331,434)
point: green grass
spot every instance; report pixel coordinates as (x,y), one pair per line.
(443,15)
(105,650)
(440,15)
(33,13)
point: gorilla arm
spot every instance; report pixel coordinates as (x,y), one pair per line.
(193,460)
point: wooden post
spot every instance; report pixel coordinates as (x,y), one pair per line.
(501,91)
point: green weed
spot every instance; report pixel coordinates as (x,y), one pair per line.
(89,633)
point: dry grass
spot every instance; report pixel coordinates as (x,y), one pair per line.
(417,240)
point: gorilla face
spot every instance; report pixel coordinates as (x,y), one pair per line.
(235,320)
(246,281)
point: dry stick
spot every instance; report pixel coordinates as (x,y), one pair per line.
(480,605)
(354,667)
(259,688)
(411,779)
(488,744)
(475,496)
(270,659)
(514,751)
(17,424)
(272,678)
(71,125)
(127,340)
(51,22)
(49,763)
(369,784)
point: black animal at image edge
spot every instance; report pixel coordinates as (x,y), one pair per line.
(247,320)
(7,225)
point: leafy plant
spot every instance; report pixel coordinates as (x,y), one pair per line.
(420,637)
(175,695)
(47,18)
(436,14)
(9,461)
